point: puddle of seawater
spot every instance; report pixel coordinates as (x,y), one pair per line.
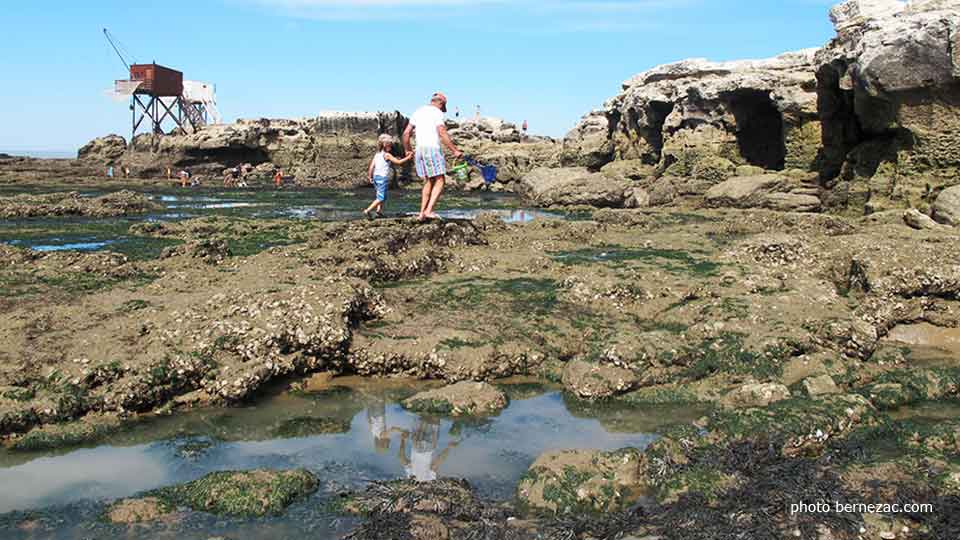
(78,246)
(307,204)
(508,216)
(381,441)
(927,335)
(931,411)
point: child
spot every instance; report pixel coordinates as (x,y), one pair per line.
(379,173)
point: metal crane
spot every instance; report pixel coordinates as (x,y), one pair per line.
(117,47)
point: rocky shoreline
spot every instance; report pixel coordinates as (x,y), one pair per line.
(774,241)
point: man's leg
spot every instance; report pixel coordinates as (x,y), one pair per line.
(437,182)
(425,196)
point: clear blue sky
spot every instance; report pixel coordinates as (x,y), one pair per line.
(547,61)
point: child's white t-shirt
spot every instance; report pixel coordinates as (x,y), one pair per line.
(381,167)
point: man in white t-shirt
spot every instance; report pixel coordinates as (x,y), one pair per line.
(428,123)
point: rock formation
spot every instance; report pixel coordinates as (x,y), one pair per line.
(760,112)
(889,100)
(105,149)
(875,113)
(333,148)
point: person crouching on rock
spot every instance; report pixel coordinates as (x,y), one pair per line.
(379,173)
(428,122)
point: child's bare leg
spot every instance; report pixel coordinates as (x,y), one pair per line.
(371,207)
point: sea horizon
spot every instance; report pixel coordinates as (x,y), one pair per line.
(43,154)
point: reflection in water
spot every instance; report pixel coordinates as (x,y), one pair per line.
(377,420)
(492,454)
(422,464)
(508,216)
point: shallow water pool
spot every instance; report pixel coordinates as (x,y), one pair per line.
(88,234)
(347,435)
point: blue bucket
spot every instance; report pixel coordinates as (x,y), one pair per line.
(489,172)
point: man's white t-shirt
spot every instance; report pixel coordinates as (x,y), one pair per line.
(426,121)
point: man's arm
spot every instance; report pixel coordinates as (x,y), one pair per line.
(407,133)
(447,141)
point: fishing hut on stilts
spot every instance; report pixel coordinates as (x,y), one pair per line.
(161,101)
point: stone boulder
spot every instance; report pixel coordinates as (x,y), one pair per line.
(628,169)
(820,385)
(589,144)
(743,191)
(755,395)
(106,149)
(465,398)
(573,481)
(946,209)
(916,219)
(596,381)
(772,191)
(573,186)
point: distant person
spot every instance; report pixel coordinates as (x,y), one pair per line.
(478,113)
(126,172)
(232,177)
(184,178)
(379,173)
(457,113)
(525,129)
(278,179)
(428,123)
(110,171)
(169,174)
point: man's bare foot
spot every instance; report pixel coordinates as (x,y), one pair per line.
(433,215)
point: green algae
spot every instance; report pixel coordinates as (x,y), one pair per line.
(305,426)
(244,494)
(671,260)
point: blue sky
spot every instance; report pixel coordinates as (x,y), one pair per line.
(547,61)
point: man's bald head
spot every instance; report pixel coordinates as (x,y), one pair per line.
(440,101)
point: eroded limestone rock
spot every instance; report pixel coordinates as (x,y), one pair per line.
(463,398)
(569,481)
(573,186)
(597,381)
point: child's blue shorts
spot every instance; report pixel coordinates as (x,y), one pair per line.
(380,183)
